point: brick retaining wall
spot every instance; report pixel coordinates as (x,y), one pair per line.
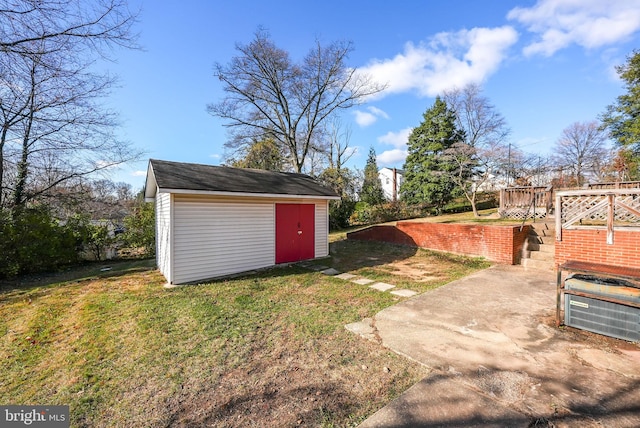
(590,245)
(502,244)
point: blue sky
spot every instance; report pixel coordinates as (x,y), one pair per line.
(544,65)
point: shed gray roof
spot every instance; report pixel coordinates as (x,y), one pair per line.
(197,178)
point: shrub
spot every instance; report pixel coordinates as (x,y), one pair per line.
(9,265)
(140,229)
(33,241)
(340,213)
(484,200)
(391,211)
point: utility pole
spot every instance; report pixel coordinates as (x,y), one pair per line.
(395,185)
(509,167)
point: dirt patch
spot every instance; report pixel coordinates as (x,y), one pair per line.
(417,271)
(403,266)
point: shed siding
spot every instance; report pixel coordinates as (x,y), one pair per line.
(322,229)
(163,234)
(221,237)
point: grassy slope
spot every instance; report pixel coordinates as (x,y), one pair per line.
(266,350)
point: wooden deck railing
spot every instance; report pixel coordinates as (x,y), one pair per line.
(615,185)
(523,202)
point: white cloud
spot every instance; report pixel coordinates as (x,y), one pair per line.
(102,164)
(139,173)
(378,112)
(366,118)
(355,151)
(588,23)
(351,151)
(391,157)
(399,141)
(446,61)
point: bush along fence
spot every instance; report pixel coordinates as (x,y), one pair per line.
(33,240)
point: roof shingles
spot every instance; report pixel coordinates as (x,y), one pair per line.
(209,178)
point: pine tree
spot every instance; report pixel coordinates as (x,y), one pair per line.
(622,119)
(372,192)
(427,168)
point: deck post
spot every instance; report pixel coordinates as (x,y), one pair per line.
(558,214)
(610,217)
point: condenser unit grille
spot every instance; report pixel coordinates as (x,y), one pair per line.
(598,316)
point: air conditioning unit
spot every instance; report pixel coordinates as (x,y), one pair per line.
(595,313)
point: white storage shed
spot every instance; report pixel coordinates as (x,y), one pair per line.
(214,221)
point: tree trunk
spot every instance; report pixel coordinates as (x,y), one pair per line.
(471,197)
(23,165)
(21,178)
(3,139)
(472,201)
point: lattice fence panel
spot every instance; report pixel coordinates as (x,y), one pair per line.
(521,213)
(624,215)
(574,206)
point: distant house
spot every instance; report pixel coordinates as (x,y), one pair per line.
(391,179)
(214,221)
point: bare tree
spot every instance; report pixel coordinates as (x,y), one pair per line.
(63,132)
(580,148)
(532,169)
(53,127)
(334,173)
(484,151)
(268,95)
(338,137)
(97,25)
(481,122)
(603,168)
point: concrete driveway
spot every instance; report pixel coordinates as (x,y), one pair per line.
(497,360)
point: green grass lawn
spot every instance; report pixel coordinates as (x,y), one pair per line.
(262,350)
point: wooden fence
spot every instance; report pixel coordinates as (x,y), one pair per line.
(523,202)
(615,185)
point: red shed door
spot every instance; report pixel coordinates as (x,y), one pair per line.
(295,232)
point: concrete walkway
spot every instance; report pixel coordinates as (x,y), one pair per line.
(497,360)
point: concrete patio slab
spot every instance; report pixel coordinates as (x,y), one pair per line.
(419,407)
(497,359)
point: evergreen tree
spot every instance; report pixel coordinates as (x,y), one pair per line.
(622,118)
(372,192)
(262,154)
(427,168)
